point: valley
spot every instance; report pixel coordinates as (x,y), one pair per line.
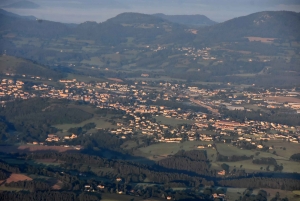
(139,107)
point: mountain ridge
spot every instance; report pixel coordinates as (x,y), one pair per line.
(269,24)
(190,20)
(22,5)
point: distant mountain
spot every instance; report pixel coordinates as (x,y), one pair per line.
(189,20)
(6,13)
(269,24)
(32,28)
(23,5)
(141,28)
(134,18)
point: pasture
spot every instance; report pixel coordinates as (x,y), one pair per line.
(229,150)
(283,148)
(160,151)
(99,121)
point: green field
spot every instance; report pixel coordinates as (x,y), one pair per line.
(281,158)
(83,78)
(162,150)
(99,121)
(290,148)
(229,150)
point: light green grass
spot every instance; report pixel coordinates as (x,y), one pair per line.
(229,150)
(296,192)
(291,148)
(234,193)
(100,124)
(85,78)
(162,150)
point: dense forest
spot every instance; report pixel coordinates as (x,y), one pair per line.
(71,168)
(33,119)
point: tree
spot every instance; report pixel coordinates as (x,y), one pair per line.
(225,167)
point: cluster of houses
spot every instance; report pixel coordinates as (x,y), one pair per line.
(197,53)
(11,88)
(107,95)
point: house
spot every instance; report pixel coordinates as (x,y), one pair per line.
(260,146)
(169,197)
(222,172)
(119,179)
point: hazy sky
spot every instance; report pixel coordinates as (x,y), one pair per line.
(77,11)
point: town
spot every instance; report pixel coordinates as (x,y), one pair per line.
(204,126)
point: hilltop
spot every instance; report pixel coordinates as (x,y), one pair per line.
(24,26)
(23,5)
(270,24)
(141,28)
(189,20)
(6,13)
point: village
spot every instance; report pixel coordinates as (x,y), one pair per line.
(206,127)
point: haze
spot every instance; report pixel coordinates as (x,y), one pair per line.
(78,11)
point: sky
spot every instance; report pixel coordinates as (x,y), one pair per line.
(79,11)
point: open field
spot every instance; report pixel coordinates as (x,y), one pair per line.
(279,145)
(234,193)
(162,150)
(260,39)
(129,144)
(229,150)
(283,99)
(99,121)
(17,177)
(85,78)
(282,156)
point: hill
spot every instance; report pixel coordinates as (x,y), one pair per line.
(6,13)
(15,24)
(269,24)
(189,20)
(141,28)
(23,5)
(13,65)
